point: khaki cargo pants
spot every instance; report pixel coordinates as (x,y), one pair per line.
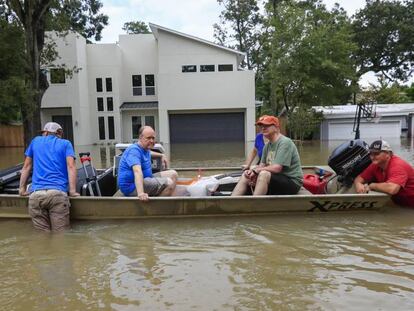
(49,210)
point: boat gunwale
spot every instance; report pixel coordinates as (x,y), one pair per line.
(372,194)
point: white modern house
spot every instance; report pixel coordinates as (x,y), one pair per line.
(386,121)
(187,88)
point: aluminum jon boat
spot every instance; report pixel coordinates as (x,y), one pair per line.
(214,203)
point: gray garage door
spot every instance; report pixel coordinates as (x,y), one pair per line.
(206,127)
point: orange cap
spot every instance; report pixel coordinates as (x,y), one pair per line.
(268,120)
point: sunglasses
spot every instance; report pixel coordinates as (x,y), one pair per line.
(375,153)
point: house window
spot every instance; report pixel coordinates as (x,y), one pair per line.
(150,121)
(99,84)
(136,125)
(108,82)
(149,85)
(57,75)
(111,128)
(100,104)
(101,122)
(206,68)
(136,85)
(109,104)
(189,68)
(227,67)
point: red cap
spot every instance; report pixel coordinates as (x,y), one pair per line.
(268,120)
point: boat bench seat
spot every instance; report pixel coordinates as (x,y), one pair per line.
(304,191)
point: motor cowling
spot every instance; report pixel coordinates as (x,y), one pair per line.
(349,159)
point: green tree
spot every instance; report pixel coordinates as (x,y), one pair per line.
(240,28)
(383,31)
(136,27)
(384,93)
(303,121)
(409,92)
(35,17)
(12,90)
(310,59)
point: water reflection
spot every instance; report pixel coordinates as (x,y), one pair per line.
(321,262)
(214,154)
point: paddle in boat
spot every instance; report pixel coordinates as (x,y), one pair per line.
(326,189)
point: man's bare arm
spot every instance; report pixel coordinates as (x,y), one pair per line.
(386,187)
(139,183)
(163,157)
(273,168)
(25,172)
(72,173)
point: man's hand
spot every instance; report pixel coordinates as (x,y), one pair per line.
(74,194)
(362,188)
(164,162)
(245,167)
(23,192)
(251,175)
(143,197)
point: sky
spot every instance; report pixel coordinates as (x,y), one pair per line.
(194,17)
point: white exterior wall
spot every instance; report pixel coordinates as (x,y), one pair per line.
(74,92)
(104,61)
(193,91)
(139,57)
(144,54)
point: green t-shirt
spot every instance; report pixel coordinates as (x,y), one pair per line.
(284,152)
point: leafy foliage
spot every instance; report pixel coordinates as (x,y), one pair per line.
(136,27)
(383,31)
(303,121)
(12,90)
(409,92)
(310,60)
(239,28)
(35,17)
(384,93)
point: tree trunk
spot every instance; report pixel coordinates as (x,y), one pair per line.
(32,16)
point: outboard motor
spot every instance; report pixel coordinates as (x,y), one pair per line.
(349,159)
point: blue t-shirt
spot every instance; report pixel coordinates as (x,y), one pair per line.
(259,144)
(49,155)
(133,155)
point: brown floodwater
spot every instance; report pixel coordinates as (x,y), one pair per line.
(344,261)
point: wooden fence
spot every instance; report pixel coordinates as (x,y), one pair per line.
(11,135)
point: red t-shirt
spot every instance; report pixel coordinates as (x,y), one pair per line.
(398,172)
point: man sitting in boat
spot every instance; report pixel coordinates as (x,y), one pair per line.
(135,176)
(387,173)
(279,171)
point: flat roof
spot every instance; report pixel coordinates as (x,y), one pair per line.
(380,109)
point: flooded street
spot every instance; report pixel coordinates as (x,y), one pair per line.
(327,261)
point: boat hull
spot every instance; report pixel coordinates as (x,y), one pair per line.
(88,208)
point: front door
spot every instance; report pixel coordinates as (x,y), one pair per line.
(66,123)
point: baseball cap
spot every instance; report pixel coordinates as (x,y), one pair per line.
(51,127)
(380,145)
(268,120)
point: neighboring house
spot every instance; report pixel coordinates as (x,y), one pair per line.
(387,121)
(187,88)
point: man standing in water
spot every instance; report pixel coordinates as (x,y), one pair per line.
(53,161)
(387,173)
(135,176)
(279,171)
